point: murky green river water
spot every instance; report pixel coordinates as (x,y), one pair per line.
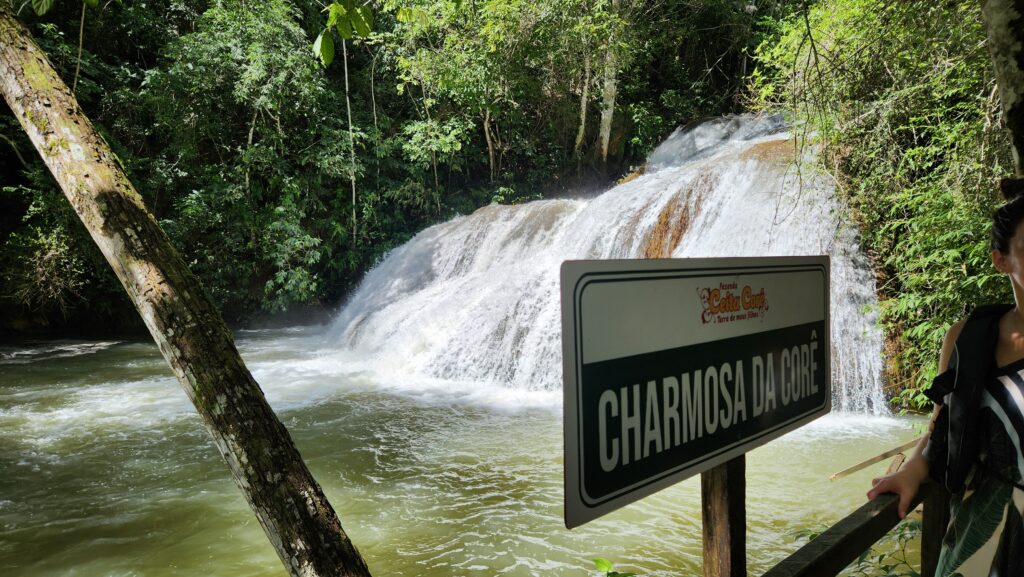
(106,471)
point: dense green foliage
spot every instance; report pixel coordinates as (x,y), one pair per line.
(238,136)
(902,97)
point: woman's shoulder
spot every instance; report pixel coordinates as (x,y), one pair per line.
(984,315)
(949,344)
(984,321)
(954,332)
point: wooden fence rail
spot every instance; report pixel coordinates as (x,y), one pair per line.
(841,544)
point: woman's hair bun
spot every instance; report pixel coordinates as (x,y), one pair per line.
(1008,217)
(1011,188)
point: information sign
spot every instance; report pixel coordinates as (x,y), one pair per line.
(674,366)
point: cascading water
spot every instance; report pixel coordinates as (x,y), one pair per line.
(477,298)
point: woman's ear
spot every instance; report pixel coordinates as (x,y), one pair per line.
(999,260)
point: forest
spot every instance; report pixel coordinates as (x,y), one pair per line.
(285,150)
(238,135)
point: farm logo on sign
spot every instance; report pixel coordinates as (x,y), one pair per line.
(728,303)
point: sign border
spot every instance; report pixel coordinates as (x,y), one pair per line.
(580,507)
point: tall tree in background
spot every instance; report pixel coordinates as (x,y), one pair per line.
(610,80)
(350,21)
(289,504)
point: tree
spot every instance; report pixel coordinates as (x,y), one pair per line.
(349,20)
(609,86)
(296,516)
(1004,27)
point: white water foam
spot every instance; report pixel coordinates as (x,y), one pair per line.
(51,350)
(292,372)
(468,311)
(476,299)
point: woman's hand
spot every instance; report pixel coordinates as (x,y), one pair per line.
(904,483)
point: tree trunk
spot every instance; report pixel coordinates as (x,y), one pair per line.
(186,326)
(433,154)
(608,100)
(351,141)
(584,100)
(373,107)
(1004,25)
(490,142)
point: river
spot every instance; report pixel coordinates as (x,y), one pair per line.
(109,472)
(429,408)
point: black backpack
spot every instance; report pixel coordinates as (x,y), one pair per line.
(952,447)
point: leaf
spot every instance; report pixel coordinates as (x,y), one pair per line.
(976,521)
(92,3)
(362,21)
(410,15)
(345,27)
(318,44)
(42,6)
(324,47)
(603,565)
(335,12)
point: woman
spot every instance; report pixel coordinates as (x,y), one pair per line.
(981,416)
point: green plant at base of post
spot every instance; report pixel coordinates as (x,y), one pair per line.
(605,566)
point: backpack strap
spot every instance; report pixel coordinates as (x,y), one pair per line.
(959,388)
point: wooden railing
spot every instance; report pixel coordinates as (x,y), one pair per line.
(841,544)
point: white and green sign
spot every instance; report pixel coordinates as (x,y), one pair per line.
(674,366)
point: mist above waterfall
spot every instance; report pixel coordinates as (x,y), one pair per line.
(477,298)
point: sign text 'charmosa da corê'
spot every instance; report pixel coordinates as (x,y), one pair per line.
(675,366)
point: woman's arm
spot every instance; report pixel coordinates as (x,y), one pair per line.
(908,479)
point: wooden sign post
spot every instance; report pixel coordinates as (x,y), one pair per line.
(724,508)
(676,367)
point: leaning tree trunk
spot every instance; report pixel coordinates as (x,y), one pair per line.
(1004,25)
(264,462)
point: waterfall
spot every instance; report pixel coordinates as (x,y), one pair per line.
(477,298)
